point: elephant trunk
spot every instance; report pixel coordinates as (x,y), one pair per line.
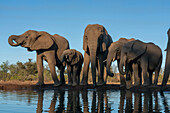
(122,63)
(11,39)
(62,59)
(93,64)
(167,66)
(108,64)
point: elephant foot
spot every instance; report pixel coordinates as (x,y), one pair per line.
(100,83)
(74,84)
(129,84)
(137,84)
(122,86)
(83,83)
(62,83)
(39,83)
(146,85)
(57,84)
(69,84)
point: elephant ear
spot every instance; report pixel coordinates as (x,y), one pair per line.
(43,41)
(85,38)
(107,40)
(84,43)
(75,57)
(137,48)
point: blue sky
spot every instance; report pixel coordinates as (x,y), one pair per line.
(146,20)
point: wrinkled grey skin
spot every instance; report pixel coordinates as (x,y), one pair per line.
(114,54)
(167,63)
(96,42)
(74,60)
(47,47)
(147,57)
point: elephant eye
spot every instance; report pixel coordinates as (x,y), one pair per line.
(26,37)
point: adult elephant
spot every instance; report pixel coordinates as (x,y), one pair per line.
(114,54)
(96,42)
(167,63)
(147,57)
(47,47)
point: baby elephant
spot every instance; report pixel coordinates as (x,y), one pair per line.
(74,60)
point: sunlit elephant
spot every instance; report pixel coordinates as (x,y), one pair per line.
(74,60)
(47,47)
(146,56)
(114,54)
(96,42)
(167,63)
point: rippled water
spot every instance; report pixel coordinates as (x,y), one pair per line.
(69,101)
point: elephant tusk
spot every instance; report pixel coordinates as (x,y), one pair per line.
(105,60)
(113,60)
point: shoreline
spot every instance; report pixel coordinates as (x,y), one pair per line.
(30,85)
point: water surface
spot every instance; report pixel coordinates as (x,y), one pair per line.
(86,101)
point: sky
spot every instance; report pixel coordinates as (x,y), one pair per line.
(146,20)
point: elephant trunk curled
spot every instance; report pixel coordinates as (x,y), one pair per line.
(11,39)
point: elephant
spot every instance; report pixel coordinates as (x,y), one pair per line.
(114,54)
(74,60)
(96,42)
(144,56)
(167,63)
(48,47)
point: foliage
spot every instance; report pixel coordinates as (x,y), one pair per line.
(21,71)
(28,72)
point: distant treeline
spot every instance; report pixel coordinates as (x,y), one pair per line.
(28,72)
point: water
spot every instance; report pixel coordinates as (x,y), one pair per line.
(87,101)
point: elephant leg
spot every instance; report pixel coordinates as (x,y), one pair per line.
(156,77)
(105,75)
(128,76)
(40,70)
(150,77)
(85,69)
(69,75)
(144,67)
(100,70)
(62,79)
(52,63)
(157,70)
(78,75)
(74,76)
(136,75)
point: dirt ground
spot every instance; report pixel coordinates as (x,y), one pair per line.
(30,85)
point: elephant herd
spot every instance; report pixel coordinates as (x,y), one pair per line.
(134,57)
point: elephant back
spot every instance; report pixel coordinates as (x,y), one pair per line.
(62,44)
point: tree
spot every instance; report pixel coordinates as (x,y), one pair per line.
(4,67)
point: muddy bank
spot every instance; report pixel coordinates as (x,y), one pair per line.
(14,85)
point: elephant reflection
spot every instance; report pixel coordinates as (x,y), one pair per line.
(57,94)
(102,101)
(73,104)
(141,105)
(60,94)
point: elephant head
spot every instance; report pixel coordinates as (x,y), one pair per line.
(70,56)
(131,51)
(95,40)
(32,40)
(114,53)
